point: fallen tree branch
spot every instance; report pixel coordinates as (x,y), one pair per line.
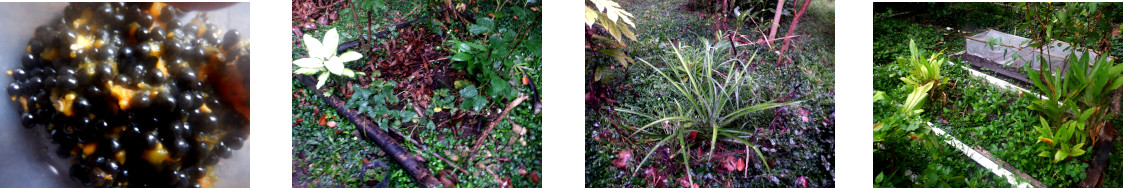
(490,126)
(418,171)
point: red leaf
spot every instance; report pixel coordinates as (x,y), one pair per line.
(622,158)
(323,119)
(803,114)
(729,163)
(682,181)
(740,164)
(506,182)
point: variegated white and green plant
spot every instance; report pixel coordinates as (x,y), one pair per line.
(323,60)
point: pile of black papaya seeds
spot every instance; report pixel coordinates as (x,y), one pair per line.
(123,90)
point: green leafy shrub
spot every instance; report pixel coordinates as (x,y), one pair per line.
(922,71)
(1081,24)
(442,100)
(921,76)
(890,31)
(472,98)
(375,102)
(501,46)
(705,102)
(1075,101)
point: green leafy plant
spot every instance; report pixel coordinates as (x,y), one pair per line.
(612,19)
(887,47)
(322,58)
(922,71)
(472,98)
(1081,24)
(375,101)
(616,21)
(906,126)
(705,102)
(442,101)
(499,44)
(905,122)
(374,175)
(1075,100)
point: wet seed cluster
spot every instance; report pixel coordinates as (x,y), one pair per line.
(122,89)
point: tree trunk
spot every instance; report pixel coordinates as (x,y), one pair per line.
(1100,162)
(791,29)
(776,21)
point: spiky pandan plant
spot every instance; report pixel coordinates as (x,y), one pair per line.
(705,101)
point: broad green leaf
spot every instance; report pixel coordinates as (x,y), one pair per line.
(476,46)
(469,92)
(482,25)
(1061,155)
(477,29)
(462,56)
(602,73)
(879,95)
(627,32)
(912,48)
(1044,154)
(479,103)
(611,28)
(463,47)
(498,86)
(379,5)
(1077,151)
(620,57)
